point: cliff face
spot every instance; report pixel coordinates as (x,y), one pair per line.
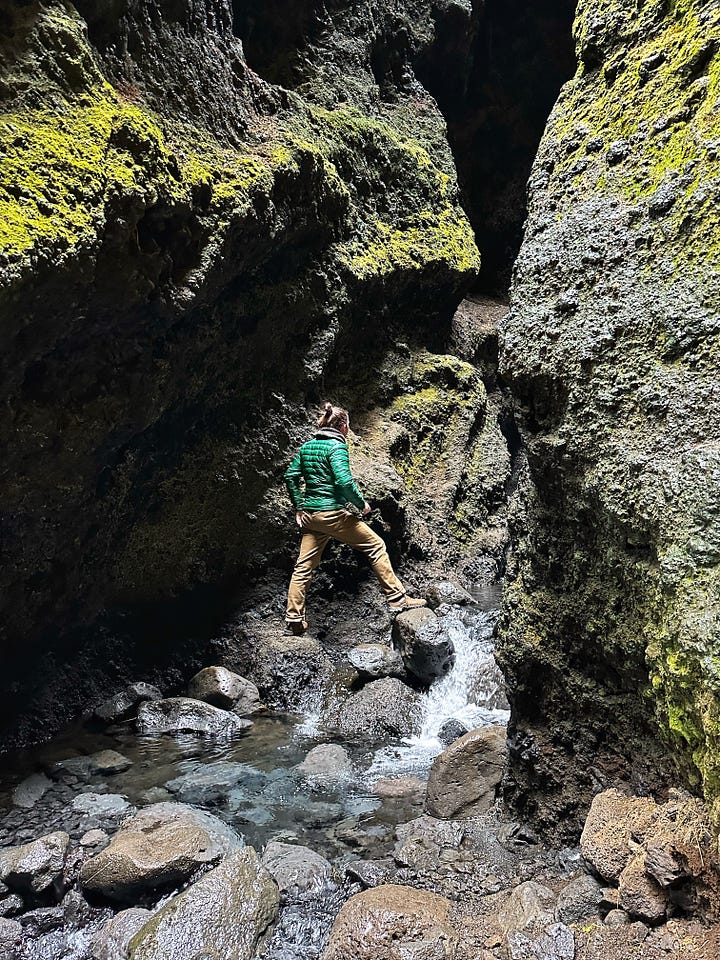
(611,626)
(191,259)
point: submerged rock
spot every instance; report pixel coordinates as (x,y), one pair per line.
(36,867)
(375,660)
(392,922)
(210,783)
(223,915)
(225,689)
(159,848)
(326,763)
(183,715)
(427,651)
(382,708)
(464,778)
(451,731)
(105,761)
(295,867)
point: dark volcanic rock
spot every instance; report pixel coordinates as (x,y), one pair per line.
(36,867)
(426,648)
(223,688)
(374,660)
(382,708)
(615,581)
(183,715)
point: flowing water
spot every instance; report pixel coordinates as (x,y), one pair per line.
(254,784)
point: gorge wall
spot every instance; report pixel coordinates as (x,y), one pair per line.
(611,348)
(215,216)
(193,257)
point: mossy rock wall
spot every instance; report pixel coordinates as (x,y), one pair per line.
(611,632)
(190,260)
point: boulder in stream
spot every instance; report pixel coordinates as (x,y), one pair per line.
(464,778)
(33,788)
(294,867)
(112,805)
(183,715)
(223,915)
(445,591)
(392,922)
(225,689)
(327,762)
(376,660)
(84,767)
(121,705)
(36,867)
(157,849)
(382,708)
(112,939)
(427,650)
(211,783)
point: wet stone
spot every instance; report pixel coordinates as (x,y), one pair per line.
(465,777)
(121,705)
(102,804)
(103,762)
(426,648)
(445,591)
(327,762)
(36,867)
(382,708)
(295,867)
(30,791)
(210,783)
(375,660)
(159,848)
(184,715)
(225,689)
(451,731)
(10,936)
(370,873)
(93,838)
(112,940)
(222,915)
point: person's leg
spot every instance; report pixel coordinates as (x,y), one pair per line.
(311,550)
(351,530)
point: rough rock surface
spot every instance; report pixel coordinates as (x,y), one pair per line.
(225,689)
(610,350)
(382,708)
(159,848)
(122,703)
(464,779)
(224,914)
(294,867)
(326,762)
(112,939)
(392,922)
(183,715)
(615,820)
(375,661)
(426,648)
(36,867)
(198,254)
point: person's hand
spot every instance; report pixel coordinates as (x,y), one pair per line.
(299,517)
(366,509)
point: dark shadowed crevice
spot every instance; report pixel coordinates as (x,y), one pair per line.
(496,99)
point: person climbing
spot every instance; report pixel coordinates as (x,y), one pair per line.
(322,466)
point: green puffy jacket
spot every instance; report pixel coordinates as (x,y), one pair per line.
(323,464)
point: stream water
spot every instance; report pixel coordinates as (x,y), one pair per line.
(254,784)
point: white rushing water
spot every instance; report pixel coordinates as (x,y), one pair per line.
(472,693)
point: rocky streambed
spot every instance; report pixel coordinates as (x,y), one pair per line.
(199,823)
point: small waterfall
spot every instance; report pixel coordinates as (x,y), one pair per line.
(473,693)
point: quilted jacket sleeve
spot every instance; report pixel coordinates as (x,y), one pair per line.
(294,481)
(348,489)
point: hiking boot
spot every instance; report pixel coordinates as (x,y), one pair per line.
(406,603)
(296,627)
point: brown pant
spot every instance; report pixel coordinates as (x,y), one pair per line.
(340,525)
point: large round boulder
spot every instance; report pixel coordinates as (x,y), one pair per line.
(427,650)
(183,715)
(382,708)
(464,778)
(225,689)
(223,915)
(392,922)
(157,849)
